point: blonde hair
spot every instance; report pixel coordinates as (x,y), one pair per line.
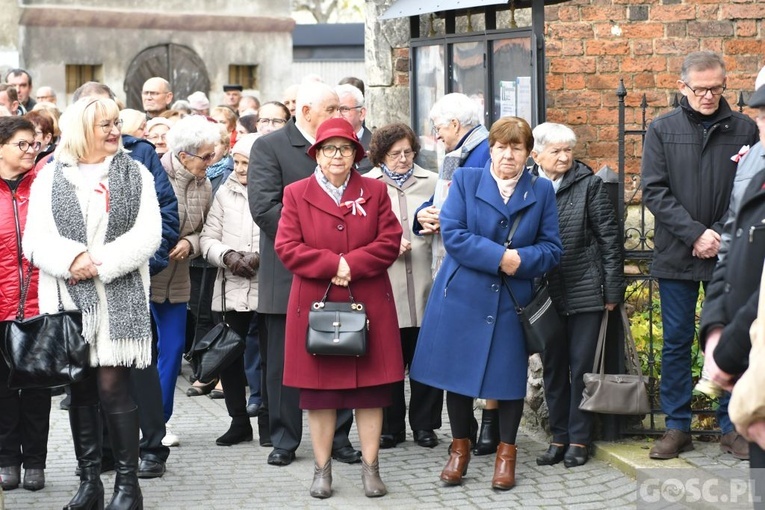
(78,125)
(132,120)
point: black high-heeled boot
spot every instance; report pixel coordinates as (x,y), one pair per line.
(87,435)
(488,437)
(123,430)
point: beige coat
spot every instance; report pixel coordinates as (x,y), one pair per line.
(410,274)
(173,283)
(229,226)
(747,403)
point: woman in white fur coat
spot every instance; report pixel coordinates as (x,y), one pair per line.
(230,240)
(93,225)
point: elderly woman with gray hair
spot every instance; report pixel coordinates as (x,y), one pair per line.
(588,280)
(456,120)
(192,148)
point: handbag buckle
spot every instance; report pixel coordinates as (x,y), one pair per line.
(336,324)
(335,340)
(318,305)
(357,306)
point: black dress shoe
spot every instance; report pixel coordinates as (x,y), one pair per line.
(553,455)
(279,457)
(426,438)
(151,467)
(347,455)
(391,440)
(575,456)
(253,410)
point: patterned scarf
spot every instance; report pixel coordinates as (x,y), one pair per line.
(125,299)
(452,161)
(396,177)
(334,192)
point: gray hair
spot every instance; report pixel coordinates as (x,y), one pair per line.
(701,61)
(311,93)
(350,90)
(456,106)
(550,132)
(190,133)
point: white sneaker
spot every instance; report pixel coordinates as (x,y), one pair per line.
(170,439)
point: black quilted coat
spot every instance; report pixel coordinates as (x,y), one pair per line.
(591,270)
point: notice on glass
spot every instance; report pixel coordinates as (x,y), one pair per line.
(524,98)
(507,100)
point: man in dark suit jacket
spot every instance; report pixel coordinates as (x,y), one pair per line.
(353,110)
(278,159)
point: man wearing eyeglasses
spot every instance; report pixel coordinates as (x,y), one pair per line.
(276,160)
(353,110)
(687,178)
(156,96)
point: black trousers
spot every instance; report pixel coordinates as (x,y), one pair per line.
(757,475)
(285,415)
(425,403)
(565,362)
(24,424)
(232,377)
(200,302)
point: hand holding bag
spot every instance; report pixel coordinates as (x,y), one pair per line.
(47,350)
(217,349)
(615,393)
(539,318)
(337,329)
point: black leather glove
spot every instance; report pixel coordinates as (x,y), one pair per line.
(252,259)
(234,260)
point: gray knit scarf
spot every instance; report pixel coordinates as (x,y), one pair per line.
(452,161)
(125,299)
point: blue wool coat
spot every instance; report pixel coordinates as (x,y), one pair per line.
(471,341)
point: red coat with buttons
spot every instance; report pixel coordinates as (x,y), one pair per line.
(313,232)
(13,265)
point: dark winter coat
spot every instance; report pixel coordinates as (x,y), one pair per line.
(732,295)
(687,178)
(591,269)
(471,341)
(314,232)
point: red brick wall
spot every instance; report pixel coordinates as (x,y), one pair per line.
(586,60)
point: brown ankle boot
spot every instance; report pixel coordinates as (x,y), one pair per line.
(504,467)
(456,466)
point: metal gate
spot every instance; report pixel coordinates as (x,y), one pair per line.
(642,291)
(179,65)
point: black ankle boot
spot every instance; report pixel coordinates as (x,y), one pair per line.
(123,431)
(87,435)
(239,432)
(488,437)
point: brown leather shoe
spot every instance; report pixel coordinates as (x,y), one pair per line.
(457,465)
(671,445)
(504,467)
(735,444)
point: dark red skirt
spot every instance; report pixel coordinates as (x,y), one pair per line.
(369,397)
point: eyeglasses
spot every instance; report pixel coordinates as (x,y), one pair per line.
(345,109)
(44,98)
(330,151)
(107,127)
(156,138)
(408,153)
(702,91)
(273,122)
(152,93)
(437,128)
(207,158)
(24,146)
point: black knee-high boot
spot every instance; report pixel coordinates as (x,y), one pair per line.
(87,435)
(123,430)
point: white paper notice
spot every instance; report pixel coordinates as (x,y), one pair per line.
(507,104)
(524,98)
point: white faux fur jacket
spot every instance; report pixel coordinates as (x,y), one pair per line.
(54,254)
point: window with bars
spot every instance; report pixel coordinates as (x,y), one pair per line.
(77,74)
(245,75)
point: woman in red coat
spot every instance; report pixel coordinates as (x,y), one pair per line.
(24,414)
(338,227)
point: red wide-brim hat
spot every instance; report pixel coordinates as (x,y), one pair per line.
(337,127)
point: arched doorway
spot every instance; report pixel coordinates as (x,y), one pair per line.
(179,65)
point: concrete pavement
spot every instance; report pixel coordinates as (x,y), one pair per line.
(201,475)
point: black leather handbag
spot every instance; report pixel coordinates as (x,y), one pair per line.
(539,318)
(337,329)
(47,350)
(217,349)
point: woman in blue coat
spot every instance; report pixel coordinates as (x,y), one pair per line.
(471,343)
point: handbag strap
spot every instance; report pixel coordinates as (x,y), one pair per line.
(25,283)
(223,296)
(326,293)
(630,342)
(599,363)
